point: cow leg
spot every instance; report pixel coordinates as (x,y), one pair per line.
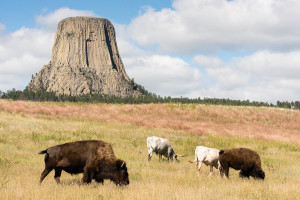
(197,171)
(219,167)
(160,157)
(221,171)
(211,170)
(199,164)
(150,153)
(57,174)
(150,156)
(45,173)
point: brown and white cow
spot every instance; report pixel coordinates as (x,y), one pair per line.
(208,156)
(95,159)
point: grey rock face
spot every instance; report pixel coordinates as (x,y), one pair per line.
(85,60)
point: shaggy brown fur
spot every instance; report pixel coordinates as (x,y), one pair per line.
(95,159)
(242,159)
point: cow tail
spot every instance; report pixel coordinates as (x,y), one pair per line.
(221,152)
(46,154)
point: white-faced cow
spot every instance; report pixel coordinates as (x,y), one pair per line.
(162,147)
(208,156)
(95,159)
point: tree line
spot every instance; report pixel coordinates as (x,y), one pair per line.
(146,98)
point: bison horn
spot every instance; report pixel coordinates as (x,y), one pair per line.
(123,164)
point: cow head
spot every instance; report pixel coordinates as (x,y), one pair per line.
(175,156)
(122,177)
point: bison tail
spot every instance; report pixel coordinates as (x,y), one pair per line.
(46,156)
(43,152)
(221,151)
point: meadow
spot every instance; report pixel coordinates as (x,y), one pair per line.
(29,127)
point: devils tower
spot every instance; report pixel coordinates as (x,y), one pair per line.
(85,60)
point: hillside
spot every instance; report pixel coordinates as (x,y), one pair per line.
(250,122)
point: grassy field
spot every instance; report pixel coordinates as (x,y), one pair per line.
(27,128)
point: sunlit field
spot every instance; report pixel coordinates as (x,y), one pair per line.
(28,127)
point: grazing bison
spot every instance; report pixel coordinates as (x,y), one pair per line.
(208,156)
(95,159)
(242,159)
(161,146)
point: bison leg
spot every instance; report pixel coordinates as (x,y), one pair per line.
(224,166)
(99,180)
(57,174)
(88,174)
(45,173)
(244,173)
(225,170)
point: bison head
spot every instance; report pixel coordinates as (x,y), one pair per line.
(260,173)
(115,171)
(122,177)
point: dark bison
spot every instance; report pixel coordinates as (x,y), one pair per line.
(95,159)
(242,159)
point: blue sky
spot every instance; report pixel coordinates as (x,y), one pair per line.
(16,13)
(240,49)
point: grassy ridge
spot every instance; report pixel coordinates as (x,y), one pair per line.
(23,135)
(251,122)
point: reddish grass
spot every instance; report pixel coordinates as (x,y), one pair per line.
(252,122)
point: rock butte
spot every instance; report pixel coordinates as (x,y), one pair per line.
(85,60)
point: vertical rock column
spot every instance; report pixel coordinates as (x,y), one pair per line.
(85,60)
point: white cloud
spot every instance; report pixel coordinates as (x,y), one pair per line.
(126,46)
(267,28)
(208,62)
(51,20)
(160,74)
(272,65)
(164,75)
(262,76)
(22,54)
(208,26)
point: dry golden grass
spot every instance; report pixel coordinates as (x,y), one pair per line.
(252,122)
(27,128)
